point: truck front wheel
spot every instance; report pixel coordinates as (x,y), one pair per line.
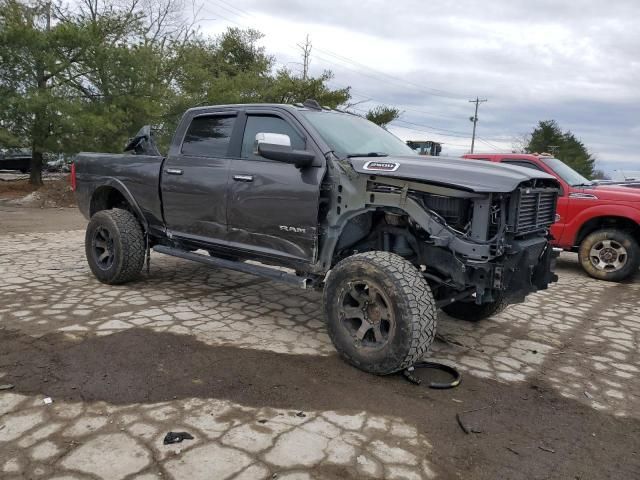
(609,254)
(473,312)
(380,312)
(115,246)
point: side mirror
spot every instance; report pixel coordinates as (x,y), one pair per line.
(276,146)
(272,138)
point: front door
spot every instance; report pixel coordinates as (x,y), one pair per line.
(562,215)
(273,206)
(194,179)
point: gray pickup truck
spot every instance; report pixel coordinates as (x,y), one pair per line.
(343,204)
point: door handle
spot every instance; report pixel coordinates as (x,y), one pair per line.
(173,171)
(243,178)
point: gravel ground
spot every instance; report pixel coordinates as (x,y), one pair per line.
(550,387)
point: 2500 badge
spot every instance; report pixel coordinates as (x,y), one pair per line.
(381,166)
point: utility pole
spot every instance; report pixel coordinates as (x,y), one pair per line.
(306,57)
(474,119)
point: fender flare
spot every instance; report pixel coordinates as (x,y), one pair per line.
(601,211)
(124,191)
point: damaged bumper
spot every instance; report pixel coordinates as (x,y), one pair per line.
(525,267)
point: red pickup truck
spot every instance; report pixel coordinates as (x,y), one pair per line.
(600,222)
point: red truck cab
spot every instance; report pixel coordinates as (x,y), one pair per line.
(600,222)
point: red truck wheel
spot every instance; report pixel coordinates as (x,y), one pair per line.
(610,255)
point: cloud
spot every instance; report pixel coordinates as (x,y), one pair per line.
(576,62)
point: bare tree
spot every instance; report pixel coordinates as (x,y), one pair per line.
(520,143)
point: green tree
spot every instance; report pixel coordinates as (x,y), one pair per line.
(64,76)
(549,137)
(87,77)
(600,175)
(234,69)
(383,115)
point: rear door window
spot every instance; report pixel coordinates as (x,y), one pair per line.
(267,124)
(208,136)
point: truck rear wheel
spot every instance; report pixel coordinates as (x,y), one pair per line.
(473,312)
(380,312)
(114,245)
(610,254)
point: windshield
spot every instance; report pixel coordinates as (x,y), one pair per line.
(565,172)
(350,135)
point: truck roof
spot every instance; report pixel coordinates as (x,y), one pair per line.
(288,106)
(514,156)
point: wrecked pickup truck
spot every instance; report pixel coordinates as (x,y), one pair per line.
(342,203)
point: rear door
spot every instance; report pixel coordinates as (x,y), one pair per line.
(273,206)
(194,177)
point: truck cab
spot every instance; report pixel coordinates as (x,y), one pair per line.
(599,222)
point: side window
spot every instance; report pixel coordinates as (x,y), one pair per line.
(267,124)
(208,136)
(523,163)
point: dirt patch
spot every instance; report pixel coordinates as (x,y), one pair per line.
(526,430)
(12,189)
(54,193)
(17,219)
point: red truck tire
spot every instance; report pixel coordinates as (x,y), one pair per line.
(609,254)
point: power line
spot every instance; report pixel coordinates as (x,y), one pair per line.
(371,97)
(430,91)
(427,90)
(241,12)
(375,75)
(452,133)
(228,10)
(394,123)
(486,142)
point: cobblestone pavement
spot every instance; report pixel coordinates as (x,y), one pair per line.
(581,337)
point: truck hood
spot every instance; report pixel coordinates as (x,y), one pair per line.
(613,193)
(471,175)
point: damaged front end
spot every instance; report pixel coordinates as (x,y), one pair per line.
(503,248)
(470,246)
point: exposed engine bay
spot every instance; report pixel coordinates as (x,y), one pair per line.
(471,246)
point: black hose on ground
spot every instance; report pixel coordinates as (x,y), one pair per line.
(408,374)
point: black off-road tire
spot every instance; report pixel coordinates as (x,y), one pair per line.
(410,301)
(619,237)
(472,312)
(128,246)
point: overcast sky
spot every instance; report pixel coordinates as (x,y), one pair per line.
(577,62)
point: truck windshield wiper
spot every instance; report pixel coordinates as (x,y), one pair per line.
(370,154)
(590,184)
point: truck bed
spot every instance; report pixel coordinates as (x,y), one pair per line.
(137,175)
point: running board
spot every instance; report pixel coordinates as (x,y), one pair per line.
(259,270)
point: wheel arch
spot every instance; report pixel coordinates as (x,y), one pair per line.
(351,228)
(608,221)
(114,194)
